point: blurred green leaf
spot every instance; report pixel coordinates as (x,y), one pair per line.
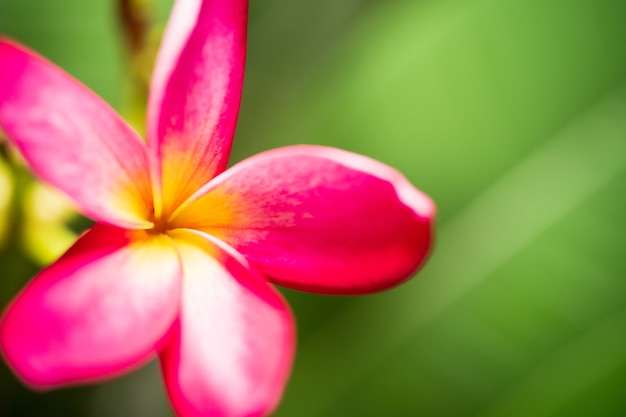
(512,114)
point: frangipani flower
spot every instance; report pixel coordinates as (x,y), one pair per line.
(178,262)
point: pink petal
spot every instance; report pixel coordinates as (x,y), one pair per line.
(318,219)
(100,310)
(72,139)
(232,350)
(195,93)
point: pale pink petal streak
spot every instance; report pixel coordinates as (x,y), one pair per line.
(195,92)
(231,352)
(101,309)
(318,219)
(72,139)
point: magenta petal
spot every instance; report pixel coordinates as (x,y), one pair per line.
(195,92)
(72,139)
(231,353)
(100,310)
(318,219)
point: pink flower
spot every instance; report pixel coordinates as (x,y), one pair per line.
(178,262)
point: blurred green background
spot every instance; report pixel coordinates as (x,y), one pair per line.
(511,114)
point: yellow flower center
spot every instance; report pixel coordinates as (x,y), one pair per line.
(160,225)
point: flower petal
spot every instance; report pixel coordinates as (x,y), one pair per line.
(231,353)
(100,310)
(195,93)
(72,139)
(318,219)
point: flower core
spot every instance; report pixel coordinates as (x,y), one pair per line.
(160,225)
